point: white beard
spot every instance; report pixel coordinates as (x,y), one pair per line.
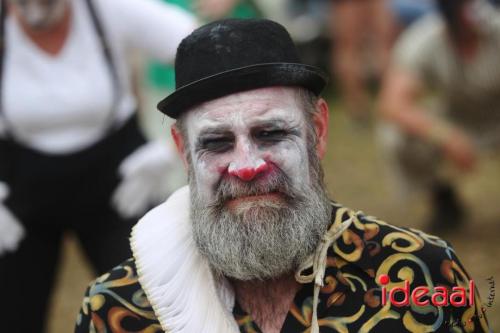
(261,239)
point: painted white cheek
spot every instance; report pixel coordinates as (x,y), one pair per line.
(292,159)
(206,178)
(207,171)
(285,153)
(302,156)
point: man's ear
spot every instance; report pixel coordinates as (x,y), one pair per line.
(179,143)
(320,120)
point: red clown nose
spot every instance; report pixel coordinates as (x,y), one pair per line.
(247,174)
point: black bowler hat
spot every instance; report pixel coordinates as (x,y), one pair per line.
(234,55)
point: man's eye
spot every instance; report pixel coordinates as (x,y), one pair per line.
(217,144)
(271,135)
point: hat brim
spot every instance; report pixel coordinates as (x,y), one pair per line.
(242,79)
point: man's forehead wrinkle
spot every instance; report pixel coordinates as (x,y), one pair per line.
(242,110)
(269,121)
(289,114)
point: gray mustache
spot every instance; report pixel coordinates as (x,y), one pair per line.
(229,188)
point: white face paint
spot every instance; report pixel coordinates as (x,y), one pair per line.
(40,14)
(246,135)
(258,201)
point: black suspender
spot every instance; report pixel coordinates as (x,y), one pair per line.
(3,16)
(105,47)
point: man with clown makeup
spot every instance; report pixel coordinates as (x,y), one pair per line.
(253,243)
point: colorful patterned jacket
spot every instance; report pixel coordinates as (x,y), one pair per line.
(349,301)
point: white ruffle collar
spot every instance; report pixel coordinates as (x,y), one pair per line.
(185,295)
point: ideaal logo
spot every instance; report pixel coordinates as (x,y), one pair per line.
(489,304)
(459,296)
(440,296)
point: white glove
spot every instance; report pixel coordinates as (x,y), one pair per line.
(144,179)
(11,230)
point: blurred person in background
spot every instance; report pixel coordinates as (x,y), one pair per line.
(455,57)
(408,11)
(72,154)
(357,26)
(307,21)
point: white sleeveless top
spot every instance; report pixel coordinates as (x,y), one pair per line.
(61,104)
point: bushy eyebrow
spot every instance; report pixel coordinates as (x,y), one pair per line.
(215,130)
(276,124)
(272,122)
(227,130)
